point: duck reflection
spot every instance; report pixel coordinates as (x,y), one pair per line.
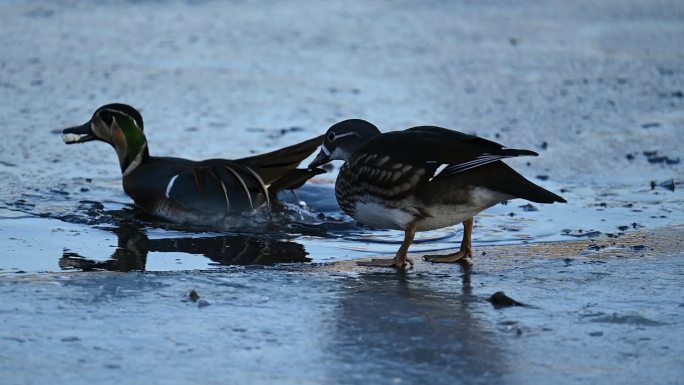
(134,245)
(406,328)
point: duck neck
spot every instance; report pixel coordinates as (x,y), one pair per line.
(131,147)
(133,158)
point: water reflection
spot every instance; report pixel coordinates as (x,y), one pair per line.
(419,327)
(134,245)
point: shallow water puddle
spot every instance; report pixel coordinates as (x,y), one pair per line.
(55,231)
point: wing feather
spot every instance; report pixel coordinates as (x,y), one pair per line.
(430,147)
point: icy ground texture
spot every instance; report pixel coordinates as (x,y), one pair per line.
(588,321)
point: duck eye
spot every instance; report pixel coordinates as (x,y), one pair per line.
(331,136)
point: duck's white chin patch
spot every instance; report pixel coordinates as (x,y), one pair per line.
(72,138)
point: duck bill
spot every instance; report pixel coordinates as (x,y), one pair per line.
(79,134)
(322,158)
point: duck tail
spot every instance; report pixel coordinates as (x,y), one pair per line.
(294,179)
(501,177)
(280,164)
(512,152)
(538,194)
(525,189)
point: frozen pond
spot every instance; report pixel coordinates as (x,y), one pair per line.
(95,291)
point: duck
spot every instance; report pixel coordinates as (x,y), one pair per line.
(421,179)
(217,193)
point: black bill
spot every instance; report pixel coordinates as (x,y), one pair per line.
(79,134)
(322,158)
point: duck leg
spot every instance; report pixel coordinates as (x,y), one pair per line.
(400,260)
(461,256)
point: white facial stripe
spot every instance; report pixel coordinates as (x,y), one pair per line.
(325,151)
(72,138)
(117,112)
(347,134)
(170,185)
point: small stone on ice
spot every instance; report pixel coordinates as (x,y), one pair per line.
(500,299)
(193,296)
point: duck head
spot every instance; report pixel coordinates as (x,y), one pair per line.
(121,126)
(343,139)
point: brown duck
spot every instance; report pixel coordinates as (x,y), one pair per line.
(420,179)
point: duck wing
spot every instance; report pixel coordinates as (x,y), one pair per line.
(218,185)
(468,159)
(460,151)
(397,163)
(436,146)
(243,184)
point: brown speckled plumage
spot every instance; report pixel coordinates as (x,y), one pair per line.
(422,178)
